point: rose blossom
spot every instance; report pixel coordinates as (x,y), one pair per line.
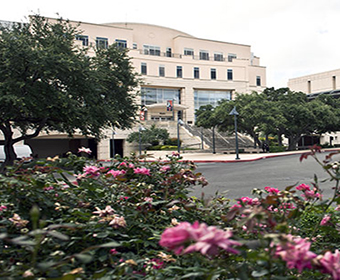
(331,264)
(85,150)
(118,221)
(174,238)
(107,211)
(325,220)
(272,190)
(203,239)
(116,173)
(303,187)
(91,170)
(211,239)
(248,201)
(295,252)
(165,168)
(142,170)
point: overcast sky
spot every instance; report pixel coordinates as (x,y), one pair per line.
(292,37)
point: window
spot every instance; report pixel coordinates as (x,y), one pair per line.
(168,52)
(218,56)
(230,74)
(196,73)
(143,68)
(334,82)
(102,43)
(121,43)
(231,56)
(309,87)
(213,73)
(212,97)
(134,46)
(258,81)
(152,50)
(84,39)
(204,55)
(179,72)
(161,71)
(188,51)
(159,95)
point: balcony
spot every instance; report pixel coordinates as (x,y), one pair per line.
(177,55)
(159,53)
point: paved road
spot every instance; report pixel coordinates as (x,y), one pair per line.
(239,178)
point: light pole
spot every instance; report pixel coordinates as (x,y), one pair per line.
(179,122)
(113,144)
(202,140)
(141,128)
(235,114)
(213,135)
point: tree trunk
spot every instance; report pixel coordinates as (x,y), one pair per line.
(9,141)
(292,143)
(279,138)
(8,149)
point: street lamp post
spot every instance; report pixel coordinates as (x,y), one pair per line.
(141,128)
(179,122)
(213,135)
(235,114)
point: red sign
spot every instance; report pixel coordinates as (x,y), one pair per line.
(169,105)
(142,115)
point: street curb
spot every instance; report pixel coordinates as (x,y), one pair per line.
(258,158)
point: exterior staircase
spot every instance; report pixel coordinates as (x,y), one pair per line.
(202,140)
(224,142)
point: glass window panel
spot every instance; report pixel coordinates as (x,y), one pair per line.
(159,95)
(204,97)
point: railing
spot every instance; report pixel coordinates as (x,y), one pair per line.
(159,53)
(177,55)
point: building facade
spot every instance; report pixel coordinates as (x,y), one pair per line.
(320,83)
(316,83)
(180,73)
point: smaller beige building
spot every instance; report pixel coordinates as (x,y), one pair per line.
(320,83)
(316,83)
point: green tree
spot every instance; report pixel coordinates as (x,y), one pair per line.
(293,115)
(48,83)
(252,112)
(152,135)
(205,116)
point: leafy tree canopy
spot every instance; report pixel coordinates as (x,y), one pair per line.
(48,83)
(275,111)
(152,135)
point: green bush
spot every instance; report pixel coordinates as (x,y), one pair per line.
(72,218)
(171,142)
(277,149)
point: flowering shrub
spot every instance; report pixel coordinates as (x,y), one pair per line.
(72,218)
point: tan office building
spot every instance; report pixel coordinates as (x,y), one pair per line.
(180,72)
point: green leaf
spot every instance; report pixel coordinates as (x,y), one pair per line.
(109,245)
(192,274)
(85,258)
(58,235)
(259,273)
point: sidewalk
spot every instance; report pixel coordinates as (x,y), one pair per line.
(218,157)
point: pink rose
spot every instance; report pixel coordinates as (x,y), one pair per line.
(325,220)
(142,170)
(331,264)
